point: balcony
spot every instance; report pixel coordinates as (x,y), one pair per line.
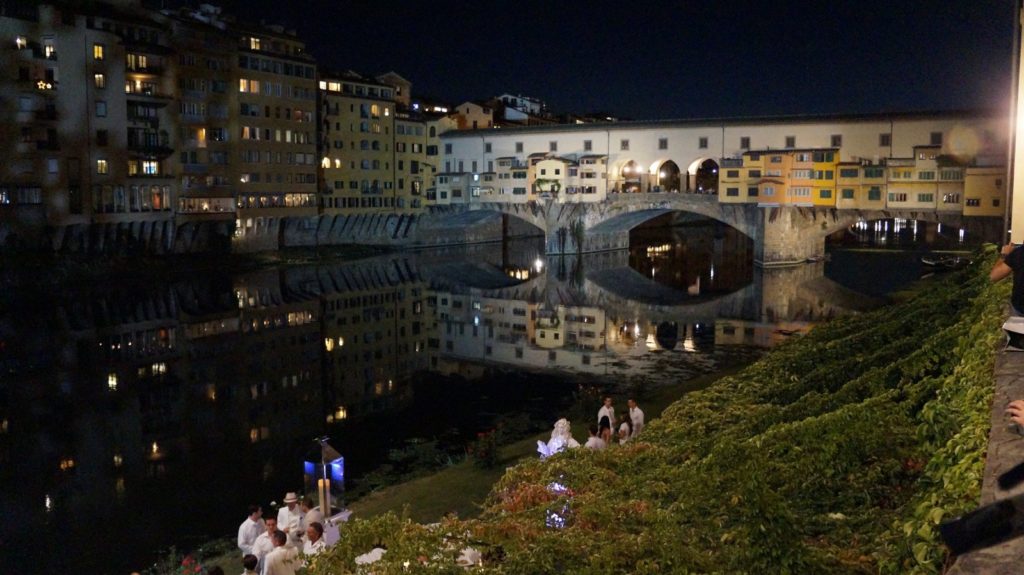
(153,176)
(149,149)
(149,95)
(146,70)
(46,115)
(149,121)
(140,47)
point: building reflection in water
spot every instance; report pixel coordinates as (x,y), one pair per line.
(160,410)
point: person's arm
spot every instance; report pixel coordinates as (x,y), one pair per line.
(1016,411)
(1001,270)
(246,548)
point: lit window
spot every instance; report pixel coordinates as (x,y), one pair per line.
(48,49)
(254,43)
(112,381)
(98,51)
(100,80)
(101,166)
(21,42)
(150,167)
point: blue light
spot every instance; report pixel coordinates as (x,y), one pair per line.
(338,470)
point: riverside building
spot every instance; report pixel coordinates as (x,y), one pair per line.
(943,161)
(127,125)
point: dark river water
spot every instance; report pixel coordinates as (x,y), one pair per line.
(139,414)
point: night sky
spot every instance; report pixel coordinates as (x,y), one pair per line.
(649,60)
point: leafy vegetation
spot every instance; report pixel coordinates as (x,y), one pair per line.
(838,452)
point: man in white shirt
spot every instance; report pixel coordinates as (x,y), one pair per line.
(265,543)
(289,518)
(283,560)
(314,542)
(605,420)
(594,442)
(250,529)
(310,514)
(636,415)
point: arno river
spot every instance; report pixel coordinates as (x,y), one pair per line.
(138,414)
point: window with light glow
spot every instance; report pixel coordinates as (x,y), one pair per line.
(100,80)
(98,52)
(101,167)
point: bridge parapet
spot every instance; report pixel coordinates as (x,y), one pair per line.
(782,235)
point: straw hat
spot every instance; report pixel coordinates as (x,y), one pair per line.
(291,497)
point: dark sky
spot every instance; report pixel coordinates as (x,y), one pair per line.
(673,59)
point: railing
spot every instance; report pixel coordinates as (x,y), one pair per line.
(49,114)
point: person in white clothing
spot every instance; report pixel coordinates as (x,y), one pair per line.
(314,539)
(605,420)
(636,416)
(289,518)
(250,529)
(625,429)
(310,514)
(264,543)
(283,560)
(594,442)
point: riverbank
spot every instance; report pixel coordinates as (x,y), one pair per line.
(460,489)
(837,452)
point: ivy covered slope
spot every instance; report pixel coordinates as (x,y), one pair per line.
(839,452)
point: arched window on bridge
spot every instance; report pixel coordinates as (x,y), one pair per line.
(632,178)
(668,177)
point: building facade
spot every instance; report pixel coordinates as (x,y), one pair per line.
(931,161)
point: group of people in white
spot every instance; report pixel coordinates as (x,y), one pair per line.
(271,546)
(628,425)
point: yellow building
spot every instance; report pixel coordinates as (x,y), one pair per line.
(912,181)
(985,191)
(860,186)
(206,80)
(276,163)
(357,123)
(823,187)
(512,177)
(474,116)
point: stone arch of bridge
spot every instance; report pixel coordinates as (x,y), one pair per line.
(837,220)
(625,221)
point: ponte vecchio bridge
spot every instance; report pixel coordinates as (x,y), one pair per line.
(787,183)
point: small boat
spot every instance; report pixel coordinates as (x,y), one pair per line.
(940,263)
(818,258)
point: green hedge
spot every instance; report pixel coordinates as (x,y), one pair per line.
(838,452)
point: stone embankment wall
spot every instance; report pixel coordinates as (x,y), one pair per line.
(436,228)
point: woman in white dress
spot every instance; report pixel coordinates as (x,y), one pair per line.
(625,428)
